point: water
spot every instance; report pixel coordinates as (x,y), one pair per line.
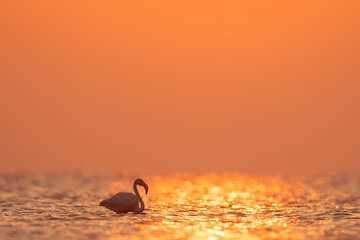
(65,206)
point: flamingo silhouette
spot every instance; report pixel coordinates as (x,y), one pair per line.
(124,202)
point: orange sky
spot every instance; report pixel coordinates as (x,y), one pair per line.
(186,86)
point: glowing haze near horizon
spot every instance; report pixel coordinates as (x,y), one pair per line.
(186,86)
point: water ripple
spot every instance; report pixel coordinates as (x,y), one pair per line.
(182,207)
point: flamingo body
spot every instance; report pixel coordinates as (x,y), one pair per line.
(122,202)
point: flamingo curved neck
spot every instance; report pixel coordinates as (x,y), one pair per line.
(142,205)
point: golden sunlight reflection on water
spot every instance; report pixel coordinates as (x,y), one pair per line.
(211,206)
(233,206)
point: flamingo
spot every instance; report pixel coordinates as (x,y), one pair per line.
(124,202)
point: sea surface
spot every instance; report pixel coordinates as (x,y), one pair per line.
(210,206)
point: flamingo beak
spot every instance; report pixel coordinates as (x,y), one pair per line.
(146,188)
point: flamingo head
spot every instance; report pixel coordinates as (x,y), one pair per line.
(141,182)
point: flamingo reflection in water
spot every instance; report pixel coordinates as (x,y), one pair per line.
(124,202)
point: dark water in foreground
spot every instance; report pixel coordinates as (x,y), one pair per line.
(181,207)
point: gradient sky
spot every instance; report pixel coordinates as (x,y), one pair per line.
(184,86)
